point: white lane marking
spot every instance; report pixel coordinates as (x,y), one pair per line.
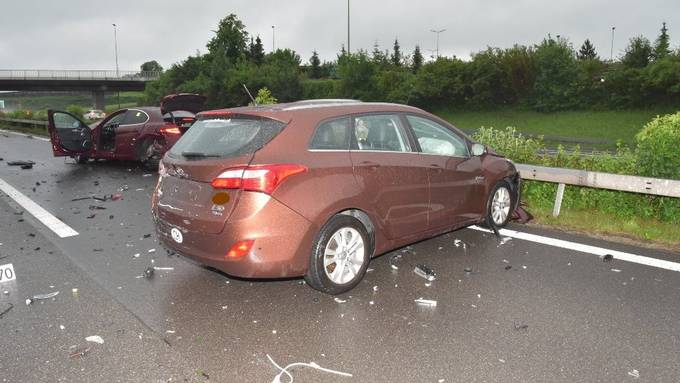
(25,135)
(628,257)
(53,223)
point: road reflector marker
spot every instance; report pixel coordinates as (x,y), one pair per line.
(599,251)
(53,223)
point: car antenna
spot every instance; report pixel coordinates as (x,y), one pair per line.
(249,95)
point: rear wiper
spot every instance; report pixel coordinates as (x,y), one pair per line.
(198,154)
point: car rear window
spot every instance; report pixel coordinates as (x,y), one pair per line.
(226,137)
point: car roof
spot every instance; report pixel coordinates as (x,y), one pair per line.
(321,109)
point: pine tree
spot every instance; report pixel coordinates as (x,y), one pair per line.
(257,51)
(378,56)
(396,54)
(587,51)
(315,71)
(662,44)
(417,60)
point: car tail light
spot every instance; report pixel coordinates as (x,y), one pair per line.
(260,178)
(239,249)
(171,130)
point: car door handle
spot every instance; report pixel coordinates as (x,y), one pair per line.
(369,165)
(480,179)
(436,168)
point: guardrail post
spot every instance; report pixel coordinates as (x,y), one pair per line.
(558,200)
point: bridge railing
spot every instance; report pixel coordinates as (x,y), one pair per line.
(112,75)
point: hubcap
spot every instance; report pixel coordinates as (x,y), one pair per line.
(500,205)
(344,255)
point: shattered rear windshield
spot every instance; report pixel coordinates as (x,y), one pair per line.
(226,137)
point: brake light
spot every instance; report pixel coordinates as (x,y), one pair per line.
(259,178)
(239,249)
(171,130)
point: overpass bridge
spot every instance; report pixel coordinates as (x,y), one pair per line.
(96,81)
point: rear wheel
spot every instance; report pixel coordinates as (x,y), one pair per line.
(80,159)
(499,204)
(148,153)
(340,255)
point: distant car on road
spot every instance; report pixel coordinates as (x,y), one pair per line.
(136,134)
(318,188)
(94,114)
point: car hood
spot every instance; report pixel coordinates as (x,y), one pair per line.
(190,102)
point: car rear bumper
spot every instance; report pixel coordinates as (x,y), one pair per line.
(282,240)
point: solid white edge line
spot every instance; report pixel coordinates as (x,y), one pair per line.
(25,135)
(600,251)
(53,223)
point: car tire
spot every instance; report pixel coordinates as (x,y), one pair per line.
(145,154)
(79,159)
(348,234)
(499,205)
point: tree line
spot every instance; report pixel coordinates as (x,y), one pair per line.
(547,76)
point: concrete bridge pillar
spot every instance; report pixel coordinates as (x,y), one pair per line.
(99,101)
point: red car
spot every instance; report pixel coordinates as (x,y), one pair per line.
(318,188)
(134,134)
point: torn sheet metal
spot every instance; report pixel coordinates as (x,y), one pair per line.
(425,272)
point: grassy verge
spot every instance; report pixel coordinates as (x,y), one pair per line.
(601,125)
(599,224)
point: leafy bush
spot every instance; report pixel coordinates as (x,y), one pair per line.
(657,147)
(76,110)
(324,88)
(264,97)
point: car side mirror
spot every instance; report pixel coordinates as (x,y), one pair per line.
(478,149)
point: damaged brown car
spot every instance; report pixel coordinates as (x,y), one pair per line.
(318,188)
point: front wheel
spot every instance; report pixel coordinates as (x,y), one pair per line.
(80,159)
(499,204)
(340,255)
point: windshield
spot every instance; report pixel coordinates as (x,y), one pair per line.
(225,137)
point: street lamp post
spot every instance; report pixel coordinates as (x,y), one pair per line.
(348,27)
(437,31)
(273,38)
(611,53)
(115,45)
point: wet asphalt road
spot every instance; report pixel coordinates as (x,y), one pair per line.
(555,315)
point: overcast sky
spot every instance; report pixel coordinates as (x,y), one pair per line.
(77,34)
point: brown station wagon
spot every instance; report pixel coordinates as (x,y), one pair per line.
(317,188)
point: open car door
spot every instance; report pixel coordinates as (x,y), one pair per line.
(69,135)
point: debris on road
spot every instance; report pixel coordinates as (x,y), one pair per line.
(634,373)
(616,270)
(607,258)
(521,326)
(284,370)
(340,300)
(508,267)
(521,215)
(504,240)
(146,236)
(79,353)
(6,310)
(21,163)
(468,269)
(426,302)
(393,261)
(425,272)
(40,297)
(148,273)
(95,339)
(163,268)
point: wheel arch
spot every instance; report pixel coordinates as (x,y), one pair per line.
(365,220)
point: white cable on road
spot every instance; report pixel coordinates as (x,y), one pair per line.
(277,378)
(53,223)
(600,251)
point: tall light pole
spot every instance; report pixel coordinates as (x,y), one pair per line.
(115,44)
(611,53)
(437,31)
(273,38)
(348,27)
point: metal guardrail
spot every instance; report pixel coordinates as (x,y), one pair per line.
(632,184)
(107,75)
(23,122)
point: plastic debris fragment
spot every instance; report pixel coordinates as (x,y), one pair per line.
(95,339)
(426,302)
(163,268)
(425,272)
(607,258)
(284,370)
(39,297)
(79,353)
(508,267)
(148,272)
(339,300)
(20,163)
(521,326)
(616,270)
(634,373)
(393,261)
(468,269)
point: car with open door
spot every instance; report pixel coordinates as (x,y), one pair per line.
(133,134)
(318,188)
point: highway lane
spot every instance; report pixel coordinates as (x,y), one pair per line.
(584,322)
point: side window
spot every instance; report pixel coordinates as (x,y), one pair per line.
(331,135)
(115,119)
(135,117)
(437,139)
(382,132)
